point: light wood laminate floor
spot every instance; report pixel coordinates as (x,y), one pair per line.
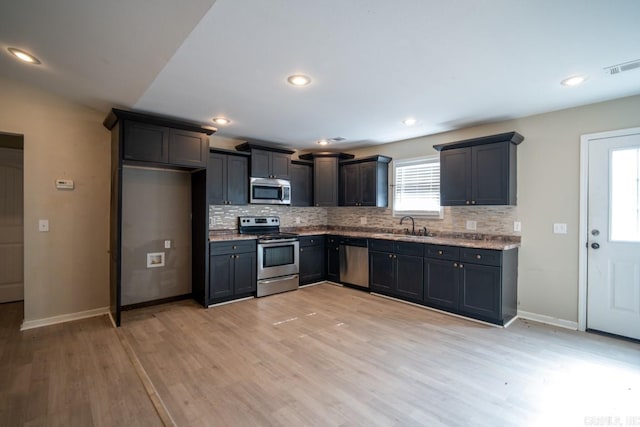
(320,356)
(331,356)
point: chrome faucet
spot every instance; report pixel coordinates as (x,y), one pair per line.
(413,225)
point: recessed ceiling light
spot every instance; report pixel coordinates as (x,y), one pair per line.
(573,81)
(323,142)
(24,56)
(299,80)
(221,121)
(409,122)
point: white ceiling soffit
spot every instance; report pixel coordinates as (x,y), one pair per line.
(449,64)
(96,52)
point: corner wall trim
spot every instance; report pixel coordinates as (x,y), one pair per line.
(38,323)
(562,323)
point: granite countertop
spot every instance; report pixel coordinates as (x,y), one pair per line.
(466,240)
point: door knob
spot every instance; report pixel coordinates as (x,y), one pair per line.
(595,245)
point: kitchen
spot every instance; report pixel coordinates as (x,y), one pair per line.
(66,270)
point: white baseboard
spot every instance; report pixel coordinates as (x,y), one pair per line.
(554,321)
(12,292)
(38,323)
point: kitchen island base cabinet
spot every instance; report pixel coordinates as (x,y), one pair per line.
(312,256)
(232,270)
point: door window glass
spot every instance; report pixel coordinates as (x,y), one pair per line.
(625,199)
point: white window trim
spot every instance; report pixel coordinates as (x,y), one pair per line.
(407,162)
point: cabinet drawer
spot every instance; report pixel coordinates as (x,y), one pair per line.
(442,252)
(333,240)
(382,245)
(481,256)
(311,241)
(408,248)
(232,247)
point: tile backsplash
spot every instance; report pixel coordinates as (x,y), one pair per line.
(489,219)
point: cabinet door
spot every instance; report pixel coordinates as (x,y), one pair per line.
(382,272)
(490,174)
(312,266)
(333,262)
(301,185)
(244,280)
(480,291)
(455,177)
(148,143)
(441,283)
(409,282)
(237,180)
(350,185)
(280,165)
(325,181)
(217,179)
(260,164)
(220,276)
(368,178)
(188,148)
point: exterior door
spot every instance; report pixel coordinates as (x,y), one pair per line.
(613,260)
(11,225)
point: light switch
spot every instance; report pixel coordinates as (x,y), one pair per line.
(559,228)
(517,226)
(167,244)
(363,220)
(297,220)
(43,225)
(471,225)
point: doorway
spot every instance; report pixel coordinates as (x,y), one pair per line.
(610,233)
(11,218)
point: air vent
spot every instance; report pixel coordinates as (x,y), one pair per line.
(619,68)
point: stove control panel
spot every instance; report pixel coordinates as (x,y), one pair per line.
(259,221)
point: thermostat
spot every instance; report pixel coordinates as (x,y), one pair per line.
(64,184)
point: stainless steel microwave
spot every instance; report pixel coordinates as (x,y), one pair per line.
(270,191)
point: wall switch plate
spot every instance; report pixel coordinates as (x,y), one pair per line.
(43,225)
(64,184)
(363,220)
(517,226)
(559,228)
(471,225)
(297,220)
(167,244)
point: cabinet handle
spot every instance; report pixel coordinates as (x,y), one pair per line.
(455,264)
(235,247)
(461,266)
(439,252)
(467,202)
(301,250)
(395,256)
(390,256)
(473,202)
(478,257)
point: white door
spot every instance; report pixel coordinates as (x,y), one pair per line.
(11,225)
(613,262)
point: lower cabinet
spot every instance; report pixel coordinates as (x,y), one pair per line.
(395,268)
(478,283)
(312,259)
(232,270)
(333,258)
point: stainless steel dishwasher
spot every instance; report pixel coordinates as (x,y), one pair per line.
(354,262)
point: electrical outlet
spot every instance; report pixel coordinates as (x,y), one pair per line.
(517,226)
(167,244)
(297,220)
(43,225)
(363,220)
(471,225)
(559,228)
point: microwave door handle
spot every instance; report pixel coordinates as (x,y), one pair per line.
(282,193)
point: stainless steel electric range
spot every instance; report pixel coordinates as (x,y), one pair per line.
(278,255)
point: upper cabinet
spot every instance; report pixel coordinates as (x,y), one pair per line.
(160,141)
(479,171)
(325,176)
(301,183)
(268,162)
(364,182)
(227,178)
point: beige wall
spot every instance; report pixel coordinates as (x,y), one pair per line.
(66,269)
(548,192)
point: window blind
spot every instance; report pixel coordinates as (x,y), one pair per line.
(417,186)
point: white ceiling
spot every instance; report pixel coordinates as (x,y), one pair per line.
(449,64)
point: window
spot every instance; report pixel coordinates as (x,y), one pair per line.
(625,195)
(417,186)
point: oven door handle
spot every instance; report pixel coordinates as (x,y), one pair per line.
(279,279)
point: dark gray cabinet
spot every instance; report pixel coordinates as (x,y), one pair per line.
(270,164)
(312,259)
(333,258)
(395,268)
(227,178)
(479,171)
(478,283)
(144,142)
(364,182)
(301,183)
(232,270)
(325,176)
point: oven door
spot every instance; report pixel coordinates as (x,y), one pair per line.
(278,258)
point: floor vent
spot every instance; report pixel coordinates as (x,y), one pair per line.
(619,68)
